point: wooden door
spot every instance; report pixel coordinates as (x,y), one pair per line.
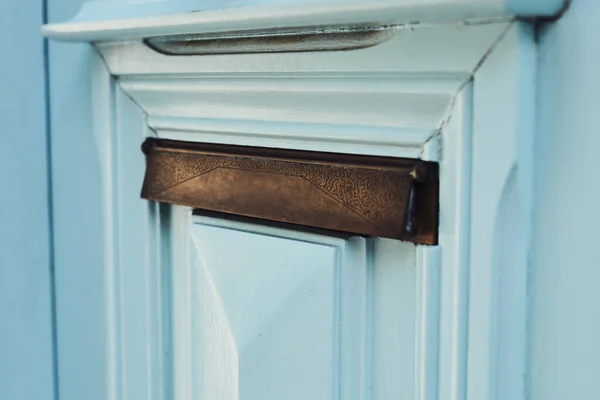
(156,303)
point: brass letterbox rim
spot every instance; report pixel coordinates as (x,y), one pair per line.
(358,194)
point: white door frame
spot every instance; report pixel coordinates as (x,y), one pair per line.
(464,96)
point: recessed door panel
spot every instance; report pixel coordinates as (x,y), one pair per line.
(283,314)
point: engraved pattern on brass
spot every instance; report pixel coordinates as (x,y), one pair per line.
(360,194)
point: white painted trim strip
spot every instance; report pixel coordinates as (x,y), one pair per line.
(427,322)
(387,12)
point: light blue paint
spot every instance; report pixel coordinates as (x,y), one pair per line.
(26,359)
(78,218)
(499,205)
(565,317)
(565,311)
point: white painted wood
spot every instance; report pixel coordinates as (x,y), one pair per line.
(265,15)
(393,302)
(500,223)
(322,99)
(454,238)
(180,301)
(133,278)
(384,319)
(361,101)
(102,10)
(426,50)
(271,303)
(338,138)
(103,102)
(365,113)
(271,319)
(427,315)
(139,299)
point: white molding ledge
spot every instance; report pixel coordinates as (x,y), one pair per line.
(360,101)
(297,14)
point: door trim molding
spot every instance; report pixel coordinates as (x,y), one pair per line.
(94,22)
(474,88)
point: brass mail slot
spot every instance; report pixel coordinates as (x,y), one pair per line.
(366,195)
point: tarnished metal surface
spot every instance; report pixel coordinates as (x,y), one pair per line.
(273,40)
(374,196)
